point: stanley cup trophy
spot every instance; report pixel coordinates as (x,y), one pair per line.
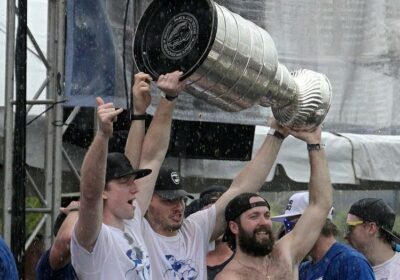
(228,61)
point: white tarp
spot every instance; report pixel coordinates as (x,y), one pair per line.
(351,157)
(376,157)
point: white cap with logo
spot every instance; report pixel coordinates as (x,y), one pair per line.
(296,206)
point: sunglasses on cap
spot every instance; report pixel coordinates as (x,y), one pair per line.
(350,226)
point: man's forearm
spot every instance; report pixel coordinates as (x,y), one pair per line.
(320,187)
(94,167)
(253,176)
(157,138)
(92,185)
(133,147)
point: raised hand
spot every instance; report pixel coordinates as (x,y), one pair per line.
(308,136)
(141,93)
(106,115)
(72,206)
(170,84)
(273,123)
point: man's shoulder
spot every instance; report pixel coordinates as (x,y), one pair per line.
(199,218)
(346,252)
(348,258)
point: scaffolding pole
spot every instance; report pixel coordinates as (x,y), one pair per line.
(51,198)
(9,119)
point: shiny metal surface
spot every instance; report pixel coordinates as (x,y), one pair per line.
(239,66)
(242,69)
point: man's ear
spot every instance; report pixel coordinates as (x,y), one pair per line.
(104,195)
(373,228)
(234,227)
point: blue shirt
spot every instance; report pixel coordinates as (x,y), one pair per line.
(8,268)
(339,263)
(45,272)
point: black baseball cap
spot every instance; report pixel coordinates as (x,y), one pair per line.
(236,207)
(118,166)
(374,210)
(210,194)
(169,186)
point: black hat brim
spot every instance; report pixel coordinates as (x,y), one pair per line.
(173,194)
(140,173)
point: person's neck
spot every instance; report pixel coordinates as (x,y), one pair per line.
(321,247)
(156,227)
(379,252)
(257,263)
(110,220)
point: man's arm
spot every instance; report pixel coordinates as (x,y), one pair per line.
(156,141)
(93,172)
(60,254)
(304,235)
(251,178)
(141,100)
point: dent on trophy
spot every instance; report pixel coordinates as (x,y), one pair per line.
(228,61)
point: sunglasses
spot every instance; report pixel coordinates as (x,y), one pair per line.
(350,226)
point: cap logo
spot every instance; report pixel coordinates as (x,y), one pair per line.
(175,178)
(289,205)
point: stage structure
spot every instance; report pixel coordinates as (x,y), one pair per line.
(50,94)
(52,85)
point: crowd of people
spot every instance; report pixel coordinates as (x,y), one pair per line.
(131,221)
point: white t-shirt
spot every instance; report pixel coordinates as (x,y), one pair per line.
(389,270)
(183,256)
(117,254)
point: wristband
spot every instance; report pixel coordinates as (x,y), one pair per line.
(312,147)
(168,97)
(276,134)
(138,117)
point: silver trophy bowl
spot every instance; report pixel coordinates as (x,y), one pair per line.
(228,61)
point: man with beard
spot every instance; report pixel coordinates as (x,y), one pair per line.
(249,229)
(173,241)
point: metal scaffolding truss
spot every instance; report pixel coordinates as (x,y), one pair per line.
(53,87)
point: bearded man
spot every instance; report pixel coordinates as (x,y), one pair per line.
(249,225)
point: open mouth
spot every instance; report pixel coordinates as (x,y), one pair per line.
(262,233)
(176,217)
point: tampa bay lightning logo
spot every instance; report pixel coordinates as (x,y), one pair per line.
(179,36)
(181,269)
(141,264)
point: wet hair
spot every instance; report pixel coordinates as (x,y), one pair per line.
(229,237)
(389,237)
(193,207)
(329,229)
